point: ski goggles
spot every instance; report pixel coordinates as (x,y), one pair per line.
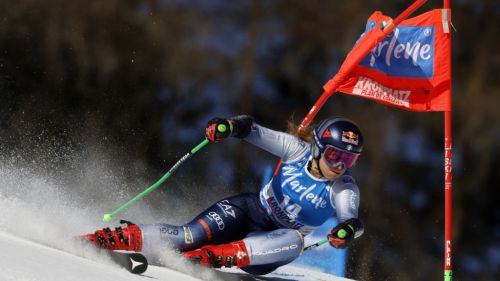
(336,158)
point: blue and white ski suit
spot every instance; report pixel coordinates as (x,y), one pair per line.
(272,224)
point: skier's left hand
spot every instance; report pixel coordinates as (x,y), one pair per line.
(342,235)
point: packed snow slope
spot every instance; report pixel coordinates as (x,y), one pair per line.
(41,212)
(23,260)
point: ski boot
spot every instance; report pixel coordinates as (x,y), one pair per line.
(227,255)
(127,239)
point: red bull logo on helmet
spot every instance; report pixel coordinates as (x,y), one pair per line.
(350,137)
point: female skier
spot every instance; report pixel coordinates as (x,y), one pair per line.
(259,233)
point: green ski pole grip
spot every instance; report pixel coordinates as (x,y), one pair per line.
(221,128)
(342,233)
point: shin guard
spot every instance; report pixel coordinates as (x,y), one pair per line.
(279,246)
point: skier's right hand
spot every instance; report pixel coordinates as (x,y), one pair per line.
(218,129)
(343,234)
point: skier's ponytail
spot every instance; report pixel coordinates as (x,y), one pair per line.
(304,134)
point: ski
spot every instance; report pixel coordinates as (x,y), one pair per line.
(133,262)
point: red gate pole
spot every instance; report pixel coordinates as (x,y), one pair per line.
(447,181)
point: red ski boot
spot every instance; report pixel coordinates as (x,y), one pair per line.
(227,255)
(128,238)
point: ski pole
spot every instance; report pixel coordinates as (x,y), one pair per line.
(341,233)
(316,245)
(109,217)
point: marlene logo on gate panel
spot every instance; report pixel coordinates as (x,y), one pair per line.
(407,52)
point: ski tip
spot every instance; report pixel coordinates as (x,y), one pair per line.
(133,262)
(139,263)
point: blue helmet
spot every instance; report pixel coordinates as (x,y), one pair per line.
(341,133)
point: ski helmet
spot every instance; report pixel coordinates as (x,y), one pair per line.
(341,134)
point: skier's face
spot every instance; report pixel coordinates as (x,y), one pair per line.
(330,172)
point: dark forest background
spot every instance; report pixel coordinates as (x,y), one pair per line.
(140,79)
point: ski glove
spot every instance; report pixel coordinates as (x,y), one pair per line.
(218,129)
(343,234)
(238,127)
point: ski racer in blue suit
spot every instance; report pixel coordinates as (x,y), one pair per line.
(260,232)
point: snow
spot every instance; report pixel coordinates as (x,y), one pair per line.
(40,216)
(24,260)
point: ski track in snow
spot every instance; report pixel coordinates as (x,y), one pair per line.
(40,217)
